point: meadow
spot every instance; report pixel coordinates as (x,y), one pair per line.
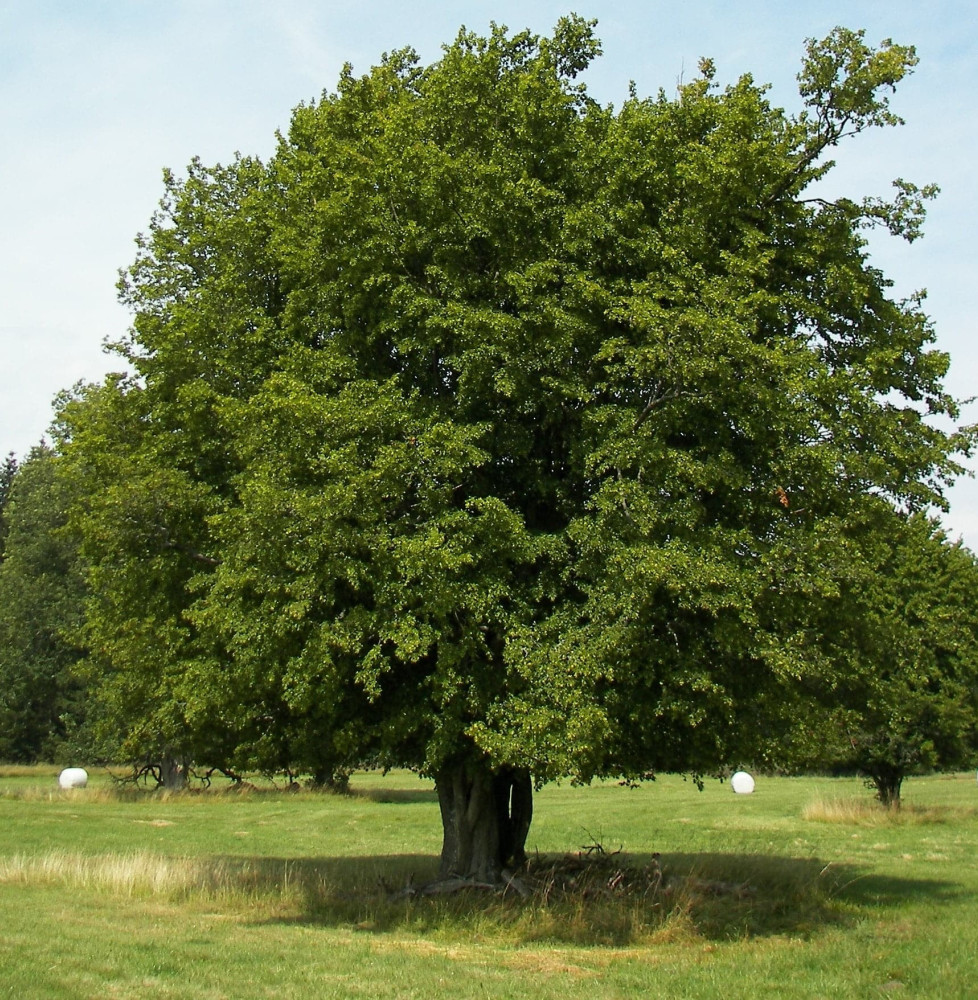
(804,889)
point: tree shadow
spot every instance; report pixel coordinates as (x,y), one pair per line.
(395,795)
(624,899)
(733,895)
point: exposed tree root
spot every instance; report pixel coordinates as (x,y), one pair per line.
(593,873)
(445,886)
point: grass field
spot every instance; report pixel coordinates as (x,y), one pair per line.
(803,889)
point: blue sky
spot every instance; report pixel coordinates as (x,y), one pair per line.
(97,96)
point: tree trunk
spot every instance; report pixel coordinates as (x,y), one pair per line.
(173,772)
(485,819)
(887,784)
(333,779)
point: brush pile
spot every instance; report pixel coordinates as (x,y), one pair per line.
(592,873)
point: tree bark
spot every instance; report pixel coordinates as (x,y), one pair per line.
(173,772)
(887,783)
(485,818)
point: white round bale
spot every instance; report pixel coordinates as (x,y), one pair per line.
(742,783)
(73,777)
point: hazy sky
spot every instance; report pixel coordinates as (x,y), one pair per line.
(97,96)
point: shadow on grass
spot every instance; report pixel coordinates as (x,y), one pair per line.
(789,895)
(395,795)
(622,900)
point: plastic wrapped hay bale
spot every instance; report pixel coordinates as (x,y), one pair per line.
(73,777)
(742,783)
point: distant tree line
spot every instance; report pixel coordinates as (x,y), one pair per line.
(42,591)
(892,642)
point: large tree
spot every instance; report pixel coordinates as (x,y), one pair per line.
(474,431)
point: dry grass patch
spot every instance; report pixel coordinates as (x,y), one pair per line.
(29,771)
(148,874)
(867,812)
(53,793)
(548,963)
(127,874)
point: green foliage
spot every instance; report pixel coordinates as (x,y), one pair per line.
(41,592)
(901,640)
(846,82)
(7,473)
(481,422)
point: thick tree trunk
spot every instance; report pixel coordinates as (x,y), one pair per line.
(485,818)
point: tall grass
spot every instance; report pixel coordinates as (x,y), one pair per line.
(144,874)
(868,812)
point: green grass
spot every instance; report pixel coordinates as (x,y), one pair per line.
(804,889)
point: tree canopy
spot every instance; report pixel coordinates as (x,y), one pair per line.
(898,640)
(499,434)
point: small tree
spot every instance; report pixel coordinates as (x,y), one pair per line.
(470,431)
(892,684)
(909,696)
